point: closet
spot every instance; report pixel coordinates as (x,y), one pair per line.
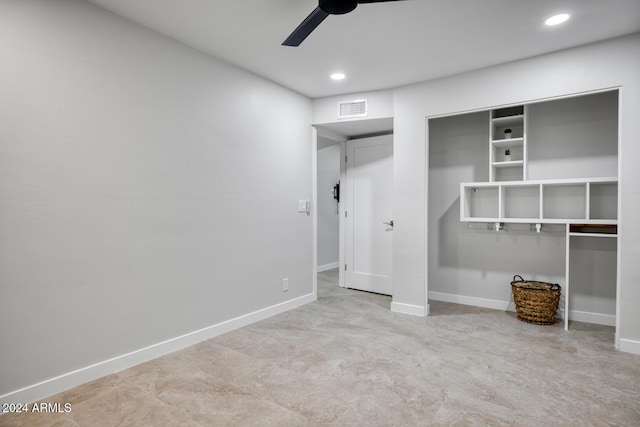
(536,194)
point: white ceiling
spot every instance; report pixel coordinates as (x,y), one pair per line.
(378,45)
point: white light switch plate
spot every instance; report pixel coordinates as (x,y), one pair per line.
(302,205)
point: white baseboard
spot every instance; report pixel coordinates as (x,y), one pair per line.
(414,310)
(630,346)
(474,301)
(327,267)
(587,317)
(72,379)
(578,316)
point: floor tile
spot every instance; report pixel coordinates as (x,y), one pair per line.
(347,360)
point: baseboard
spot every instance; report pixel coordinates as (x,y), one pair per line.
(327,267)
(578,316)
(72,379)
(474,301)
(587,317)
(630,346)
(414,310)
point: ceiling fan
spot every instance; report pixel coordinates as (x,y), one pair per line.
(324,9)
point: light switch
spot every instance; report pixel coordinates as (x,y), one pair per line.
(302,206)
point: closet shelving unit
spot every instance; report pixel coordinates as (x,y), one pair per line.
(587,207)
(513,118)
(591,201)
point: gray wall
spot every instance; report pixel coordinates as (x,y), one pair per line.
(146,190)
(328,227)
(593,275)
(574,137)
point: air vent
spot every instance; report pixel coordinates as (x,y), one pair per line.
(349,109)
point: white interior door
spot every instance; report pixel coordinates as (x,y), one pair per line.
(369,214)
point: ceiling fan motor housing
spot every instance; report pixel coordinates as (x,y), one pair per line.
(337,7)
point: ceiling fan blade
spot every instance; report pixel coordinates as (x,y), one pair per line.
(306,27)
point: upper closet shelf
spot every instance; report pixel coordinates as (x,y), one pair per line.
(508,120)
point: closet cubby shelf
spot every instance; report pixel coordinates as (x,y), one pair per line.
(559,201)
(593,235)
(509,164)
(508,143)
(593,230)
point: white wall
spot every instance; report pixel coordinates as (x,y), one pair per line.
(146,190)
(593,67)
(328,227)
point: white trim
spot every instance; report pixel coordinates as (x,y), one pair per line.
(526,103)
(314,211)
(413,310)
(619,229)
(630,346)
(72,379)
(567,273)
(328,267)
(474,301)
(587,317)
(578,316)
(425,269)
(342,229)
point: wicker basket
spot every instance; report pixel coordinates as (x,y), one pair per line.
(536,302)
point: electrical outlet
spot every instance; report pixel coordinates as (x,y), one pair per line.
(285,284)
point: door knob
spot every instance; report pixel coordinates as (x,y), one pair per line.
(390,223)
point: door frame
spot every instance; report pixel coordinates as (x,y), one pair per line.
(342,140)
(318,130)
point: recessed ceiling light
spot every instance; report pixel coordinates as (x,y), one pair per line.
(338,76)
(557,19)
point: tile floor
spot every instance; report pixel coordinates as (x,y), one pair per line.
(346,360)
